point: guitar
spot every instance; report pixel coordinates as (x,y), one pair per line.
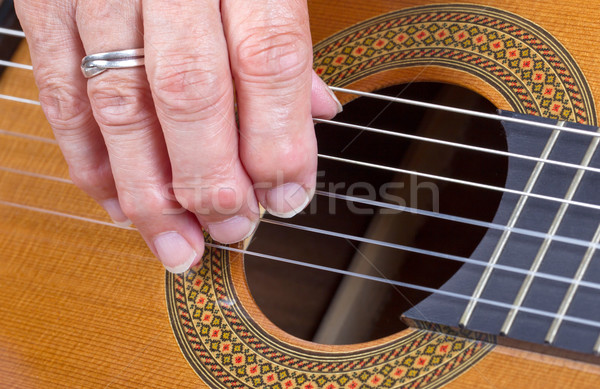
(84,303)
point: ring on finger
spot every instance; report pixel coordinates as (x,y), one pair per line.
(94,64)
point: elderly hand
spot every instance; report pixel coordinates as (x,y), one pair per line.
(158,145)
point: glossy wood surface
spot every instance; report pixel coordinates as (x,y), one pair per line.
(83,304)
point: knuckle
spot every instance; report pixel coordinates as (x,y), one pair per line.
(64,105)
(278,54)
(287,159)
(182,88)
(213,200)
(214,194)
(91,179)
(140,206)
(194,199)
(119,104)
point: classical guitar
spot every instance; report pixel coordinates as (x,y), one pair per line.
(510,300)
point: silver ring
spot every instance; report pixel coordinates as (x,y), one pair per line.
(94,64)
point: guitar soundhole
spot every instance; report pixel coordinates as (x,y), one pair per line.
(331,308)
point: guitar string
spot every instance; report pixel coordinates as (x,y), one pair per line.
(468,112)
(375,203)
(503,240)
(533,311)
(432,176)
(10,64)
(19,99)
(545,246)
(380,131)
(404,135)
(408,172)
(543,250)
(395,288)
(539,312)
(399,100)
(459,181)
(29,137)
(413,137)
(21,34)
(570,295)
(443,178)
(484,150)
(393,99)
(459,219)
(11,32)
(396,246)
(442,142)
(456,258)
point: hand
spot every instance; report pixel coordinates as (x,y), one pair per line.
(159,146)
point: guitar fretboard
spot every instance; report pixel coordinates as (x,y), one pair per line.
(558,303)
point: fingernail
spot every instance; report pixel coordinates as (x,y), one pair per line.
(113,208)
(232,230)
(335,99)
(174,252)
(287,200)
(325,103)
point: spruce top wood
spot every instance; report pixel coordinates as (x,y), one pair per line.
(83,302)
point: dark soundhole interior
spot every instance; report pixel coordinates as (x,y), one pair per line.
(331,308)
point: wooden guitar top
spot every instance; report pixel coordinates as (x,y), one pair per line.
(83,302)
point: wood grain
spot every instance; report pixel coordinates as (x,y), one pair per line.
(83,304)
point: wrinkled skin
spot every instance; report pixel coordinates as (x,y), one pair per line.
(158,145)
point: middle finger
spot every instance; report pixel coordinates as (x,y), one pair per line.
(123,108)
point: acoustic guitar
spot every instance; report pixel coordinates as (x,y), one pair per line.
(83,303)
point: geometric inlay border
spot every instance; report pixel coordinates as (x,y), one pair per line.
(229,350)
(532,70)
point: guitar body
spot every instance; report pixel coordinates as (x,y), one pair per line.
(84,303)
